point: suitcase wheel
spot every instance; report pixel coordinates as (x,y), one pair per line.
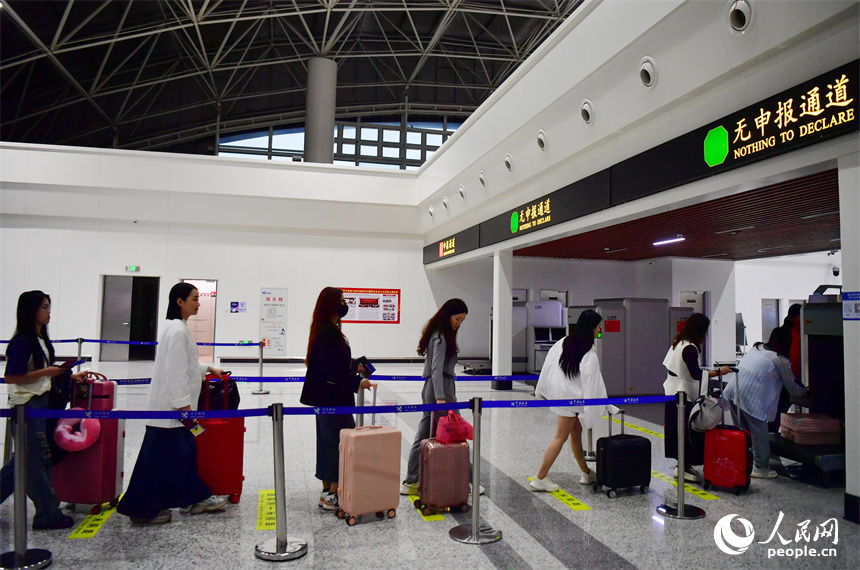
(340,514)
(464,508)
(598,487)
(706,485)
(235,499)
(350,520)
(611,493)
(425,510)
(115,502)
(392,513)
(739,490)
(96,509)
(643,489)
(380,514)
(417,504)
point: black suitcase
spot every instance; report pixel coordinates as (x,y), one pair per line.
(622,461)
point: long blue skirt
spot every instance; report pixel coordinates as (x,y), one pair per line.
(165,474)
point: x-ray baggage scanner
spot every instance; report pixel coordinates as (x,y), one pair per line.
(547,324)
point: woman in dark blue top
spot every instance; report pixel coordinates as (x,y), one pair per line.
(33,382)
(329,382)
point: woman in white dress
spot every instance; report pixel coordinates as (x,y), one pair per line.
(571,371)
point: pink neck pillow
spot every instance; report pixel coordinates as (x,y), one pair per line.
(77,440)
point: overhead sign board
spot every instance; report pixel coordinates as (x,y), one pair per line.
(461,242)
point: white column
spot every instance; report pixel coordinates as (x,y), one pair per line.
(319,110)
(503,275)
(849,218)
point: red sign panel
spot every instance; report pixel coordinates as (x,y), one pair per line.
(612,326)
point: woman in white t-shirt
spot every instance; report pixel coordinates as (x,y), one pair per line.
(165,475)
(684,375)
(571,371)
(29,374)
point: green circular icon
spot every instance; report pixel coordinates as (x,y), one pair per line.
(716,146)
(515,222)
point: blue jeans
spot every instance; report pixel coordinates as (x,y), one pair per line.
(759,436)
(38,468)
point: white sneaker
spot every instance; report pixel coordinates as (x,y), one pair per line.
(763,473)
(407,488)
(213,503)
(588,478)
(690,475)
(328,501)
(480,489)
(544,484)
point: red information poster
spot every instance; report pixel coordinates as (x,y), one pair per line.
(372,305)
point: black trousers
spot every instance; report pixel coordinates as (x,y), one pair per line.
(694,446)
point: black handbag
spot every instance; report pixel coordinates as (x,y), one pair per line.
(215,387)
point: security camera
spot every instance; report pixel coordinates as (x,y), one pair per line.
(835,269)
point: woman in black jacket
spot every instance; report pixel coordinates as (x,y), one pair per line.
(329,382)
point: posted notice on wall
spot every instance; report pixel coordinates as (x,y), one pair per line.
(372,305)
(851,306)
(273,321)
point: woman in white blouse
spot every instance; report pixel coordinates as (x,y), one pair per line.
(165,474)
(571,371)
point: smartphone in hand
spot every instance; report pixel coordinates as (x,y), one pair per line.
(71,363)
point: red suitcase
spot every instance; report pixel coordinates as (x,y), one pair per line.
(728,456)
(369,471)
(443,475)
(221,448)
(93,476)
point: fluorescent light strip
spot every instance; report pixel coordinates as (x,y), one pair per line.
(715,255)
(764,249)
(607,250)
(821,215)
(664,242)
(734,230)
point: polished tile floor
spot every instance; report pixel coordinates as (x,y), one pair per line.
(541,531)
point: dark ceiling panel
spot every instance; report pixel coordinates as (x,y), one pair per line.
(788,218)
(149,75)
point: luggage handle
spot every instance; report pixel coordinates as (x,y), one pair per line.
(620,413)
(90,378)
(225,377)
(373,415)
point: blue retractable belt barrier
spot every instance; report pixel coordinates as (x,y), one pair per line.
(336,410)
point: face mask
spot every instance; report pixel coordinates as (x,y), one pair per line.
(342,310)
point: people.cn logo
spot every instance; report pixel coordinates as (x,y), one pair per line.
(728,541)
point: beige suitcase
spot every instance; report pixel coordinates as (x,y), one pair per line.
(369,472)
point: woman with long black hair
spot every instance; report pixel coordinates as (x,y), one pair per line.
(330,382)
(571,371)
(684,374)
(29,374)
(438,346)
(165,473)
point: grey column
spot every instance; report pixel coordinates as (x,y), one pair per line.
(849,215)
(503,274)
(319,110)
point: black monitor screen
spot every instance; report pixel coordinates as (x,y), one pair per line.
(558,333)
(541,334)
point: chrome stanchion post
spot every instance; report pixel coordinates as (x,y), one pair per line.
(681,511)
(21,557)
(589,452)
(359,417)
(259,389)
(281,548)
(80,342)
(472,533)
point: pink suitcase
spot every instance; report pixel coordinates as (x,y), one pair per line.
(93,476)
(369,471)
(443,475)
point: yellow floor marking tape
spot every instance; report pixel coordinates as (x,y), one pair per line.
(92,524)
(637,428)
(687,487)
(568,499)
(433,517)
(266,510)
